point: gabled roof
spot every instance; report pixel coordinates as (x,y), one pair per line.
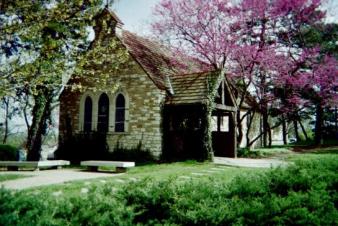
(107,11)
(185,78)
(117,19)
(159,62)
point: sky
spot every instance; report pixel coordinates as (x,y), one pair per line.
(137,14)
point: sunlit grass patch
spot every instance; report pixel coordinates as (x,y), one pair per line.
(6,177)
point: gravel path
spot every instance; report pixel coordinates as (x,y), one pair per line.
(48,177)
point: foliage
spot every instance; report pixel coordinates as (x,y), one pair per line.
(302,194)
(40,41)
(97,208)
(258,45)
(17,139)
(94,146)
(8,153)
(186,133)
(136,154)
(86,146)
(262,152)
(43,43)
(321,34)
(247,153)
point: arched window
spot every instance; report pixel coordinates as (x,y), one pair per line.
(120,109)
(87,124)
(103,113)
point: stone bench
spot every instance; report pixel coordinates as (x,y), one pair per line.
(36,165)
(121,167)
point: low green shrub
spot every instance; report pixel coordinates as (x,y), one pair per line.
(94,146)
(247,153)
(86,146)
(8,153)
(302,194)
(98,207)
(138,155)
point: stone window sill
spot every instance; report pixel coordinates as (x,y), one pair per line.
(108,133)
(118,133)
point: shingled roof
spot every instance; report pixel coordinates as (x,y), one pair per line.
(190,88)
(161,64)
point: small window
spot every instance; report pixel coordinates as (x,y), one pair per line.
(214,124)
(220,123)
(103,113)
(224,123)
(120,111)
(87,127)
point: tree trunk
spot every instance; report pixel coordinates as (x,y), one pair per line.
(319,124)
(40,113)
(269,135)
(295,125)
(240,128)
(6,102)
(285,133)
(250,118)
(262,133)
(265,128)
(303,130)
(25,114)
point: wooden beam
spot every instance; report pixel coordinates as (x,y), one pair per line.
(225,107)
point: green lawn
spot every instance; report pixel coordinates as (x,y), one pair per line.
(294,153)
(188,193)
(314,153)
(4,177)
(189,170)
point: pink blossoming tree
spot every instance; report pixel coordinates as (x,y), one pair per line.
(257,44)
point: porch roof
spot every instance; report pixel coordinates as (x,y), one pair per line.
(190,88)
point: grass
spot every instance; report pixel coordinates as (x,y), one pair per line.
(295,152)
(189,193)
(156,172)
(314,153)
(5,177)
(303,194)
(188,169)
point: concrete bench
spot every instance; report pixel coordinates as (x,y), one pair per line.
(121,167)
(36,165)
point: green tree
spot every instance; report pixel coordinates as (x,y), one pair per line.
(43,42)
(324,36)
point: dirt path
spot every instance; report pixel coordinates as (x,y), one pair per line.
(48,177)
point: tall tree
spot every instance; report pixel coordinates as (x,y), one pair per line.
(40,42)
(254,41)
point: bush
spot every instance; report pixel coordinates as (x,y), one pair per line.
(8,153)
(302,194)
(247,153)
(137,154)
(87,146)
(99,207)
(94,146)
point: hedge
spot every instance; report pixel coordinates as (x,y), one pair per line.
(302,194)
